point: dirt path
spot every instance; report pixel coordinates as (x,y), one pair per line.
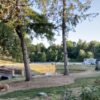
(40,82)
(46,81)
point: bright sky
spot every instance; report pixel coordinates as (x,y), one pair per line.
(87,30)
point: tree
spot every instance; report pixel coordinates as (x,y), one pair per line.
(21,18)
(92,46)
(89,54)
(42,57)
(70,48)
(77,51)
(66,14)
(82,54)
(97,51)
(11,14)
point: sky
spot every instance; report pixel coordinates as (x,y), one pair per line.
(86,30)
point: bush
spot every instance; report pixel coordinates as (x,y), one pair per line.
(90,93)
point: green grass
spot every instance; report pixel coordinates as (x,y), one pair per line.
(74,68)
(85,82)
(31,93)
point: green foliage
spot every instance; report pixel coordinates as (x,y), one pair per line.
(36,24)
(90,93)
(9,43)
(52,53)
(89,54)
(76,52)
(55,11)
(41,57)
(20,13)
(82,54)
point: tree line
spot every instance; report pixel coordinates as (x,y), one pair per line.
(77,51)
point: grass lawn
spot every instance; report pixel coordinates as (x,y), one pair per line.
(74,68)
(32,93)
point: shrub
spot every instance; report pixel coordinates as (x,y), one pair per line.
(90,93)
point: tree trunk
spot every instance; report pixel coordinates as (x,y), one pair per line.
(66,71)
(25,54)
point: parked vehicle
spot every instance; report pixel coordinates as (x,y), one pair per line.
(89,61)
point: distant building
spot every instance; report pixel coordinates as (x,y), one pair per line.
(89,61)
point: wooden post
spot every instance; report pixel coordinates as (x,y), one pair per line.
(13,72)
(22,72)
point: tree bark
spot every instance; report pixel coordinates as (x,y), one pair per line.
(25,54)
(66,71)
